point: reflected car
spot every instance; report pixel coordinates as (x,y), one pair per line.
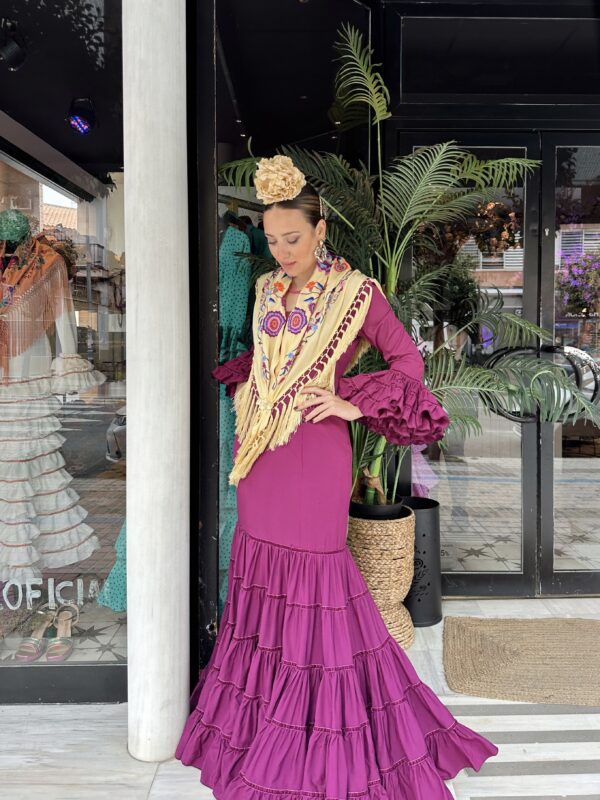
(589,372)
(116,446)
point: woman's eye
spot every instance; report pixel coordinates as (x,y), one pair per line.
(290,241)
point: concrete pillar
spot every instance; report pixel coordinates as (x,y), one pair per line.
(158,379)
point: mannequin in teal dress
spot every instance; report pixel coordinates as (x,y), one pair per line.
(234,289)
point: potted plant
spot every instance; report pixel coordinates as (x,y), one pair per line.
(374,219)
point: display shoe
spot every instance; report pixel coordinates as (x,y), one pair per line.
(32,647)
(61,646)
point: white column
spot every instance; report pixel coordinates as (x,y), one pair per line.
(158,380)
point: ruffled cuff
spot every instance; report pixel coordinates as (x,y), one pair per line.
(234,371)
(396,406)
(72,373)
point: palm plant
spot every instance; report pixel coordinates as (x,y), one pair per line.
(374,219)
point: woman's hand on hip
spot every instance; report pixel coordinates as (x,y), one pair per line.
(326,404)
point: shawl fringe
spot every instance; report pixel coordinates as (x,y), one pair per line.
(33,312)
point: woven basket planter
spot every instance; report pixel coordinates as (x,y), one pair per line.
(383,550)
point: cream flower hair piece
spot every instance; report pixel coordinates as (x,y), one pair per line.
(277,179)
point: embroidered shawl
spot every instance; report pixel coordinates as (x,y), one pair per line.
(298,351)
(35,292)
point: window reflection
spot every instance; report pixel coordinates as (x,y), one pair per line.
(62,424)
(476,476)
(577,328)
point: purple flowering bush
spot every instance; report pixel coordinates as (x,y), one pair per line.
(578,283)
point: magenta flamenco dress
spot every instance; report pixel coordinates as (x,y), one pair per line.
(306,695)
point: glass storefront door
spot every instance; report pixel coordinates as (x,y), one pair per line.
(504,531)
(570,466)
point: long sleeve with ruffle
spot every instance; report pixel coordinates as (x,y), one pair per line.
(70,371)
(394,402)
(234,371)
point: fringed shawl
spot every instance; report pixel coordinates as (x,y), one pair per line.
(35,292)
(302,350)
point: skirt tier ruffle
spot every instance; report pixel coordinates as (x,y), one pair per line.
(41,523)
(306,694)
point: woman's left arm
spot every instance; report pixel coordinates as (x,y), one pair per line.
(394,402)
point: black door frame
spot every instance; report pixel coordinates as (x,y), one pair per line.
(204,328)
(538,577)
(571,582)
(494,584)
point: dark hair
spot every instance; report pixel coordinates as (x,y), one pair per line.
(307,202)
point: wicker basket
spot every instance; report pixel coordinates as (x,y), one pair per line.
(383,550)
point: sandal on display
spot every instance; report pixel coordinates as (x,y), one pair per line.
(61,646)
(32,647)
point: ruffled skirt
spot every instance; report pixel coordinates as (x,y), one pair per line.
(42,525)
(306,695)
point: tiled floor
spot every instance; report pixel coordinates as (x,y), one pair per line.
(546,752)
(480,513)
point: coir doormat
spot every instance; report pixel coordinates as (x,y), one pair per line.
(547,660)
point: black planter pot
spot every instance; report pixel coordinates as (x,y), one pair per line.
(391,511)
(424,599)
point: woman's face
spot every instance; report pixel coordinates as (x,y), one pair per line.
(292,239)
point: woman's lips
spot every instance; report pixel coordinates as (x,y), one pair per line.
(290,264)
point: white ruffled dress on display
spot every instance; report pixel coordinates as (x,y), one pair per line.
(41,522)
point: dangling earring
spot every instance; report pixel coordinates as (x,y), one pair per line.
(321,251)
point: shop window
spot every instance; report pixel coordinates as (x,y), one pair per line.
(62,424)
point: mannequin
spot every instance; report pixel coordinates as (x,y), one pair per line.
(234,288)
(41,523)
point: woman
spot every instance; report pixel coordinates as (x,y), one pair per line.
(306,694)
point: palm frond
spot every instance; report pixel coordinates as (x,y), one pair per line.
(507,329)
(463,425)
(521,384)
(416,298)
(416,183)
(544,387)
(356,81)
(345,117)
(427,185)
(239,172)
(500,172)
(370,361)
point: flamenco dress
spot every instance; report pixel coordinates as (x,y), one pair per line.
(306,695)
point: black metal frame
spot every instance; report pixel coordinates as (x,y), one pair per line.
(537,576)
(518,584)
(564,581)
(203,223)
(63,683)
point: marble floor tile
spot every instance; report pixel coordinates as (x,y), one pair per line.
(87,791)
(173,780)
